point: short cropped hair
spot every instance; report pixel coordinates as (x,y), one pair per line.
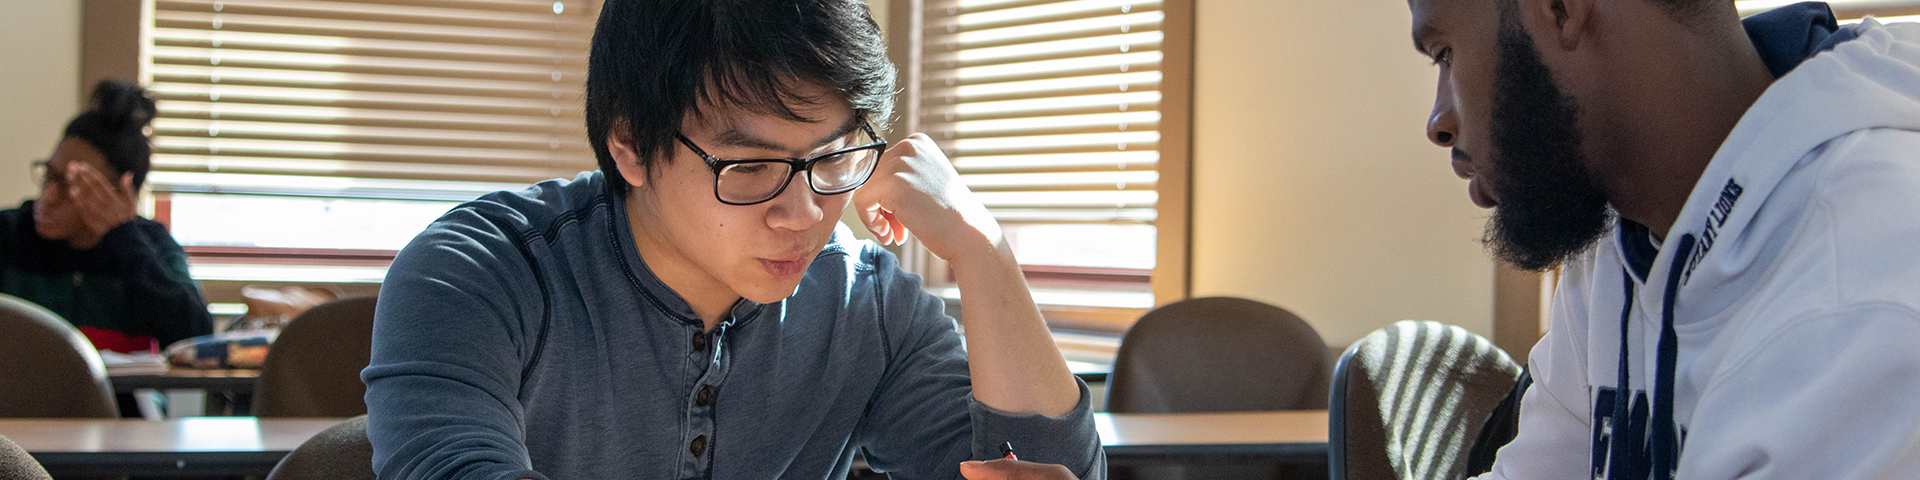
(654,61)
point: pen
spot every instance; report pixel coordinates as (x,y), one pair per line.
(1006,448)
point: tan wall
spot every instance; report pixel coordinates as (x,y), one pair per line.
(1314,187)
(39,87)
(881,12)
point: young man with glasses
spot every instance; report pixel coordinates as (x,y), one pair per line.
(694,308)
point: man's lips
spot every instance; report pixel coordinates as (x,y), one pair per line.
(1464,168)
(784,267)
(1478,194)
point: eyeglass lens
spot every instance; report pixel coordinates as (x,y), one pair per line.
(756,181)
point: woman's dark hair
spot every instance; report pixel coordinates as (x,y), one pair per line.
(115,124)
(653,61)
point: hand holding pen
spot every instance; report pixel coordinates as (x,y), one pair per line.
(1009,467)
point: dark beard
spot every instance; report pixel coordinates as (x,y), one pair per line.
(1549,206)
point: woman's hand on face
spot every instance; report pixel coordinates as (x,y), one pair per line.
(101,204)
(915,188)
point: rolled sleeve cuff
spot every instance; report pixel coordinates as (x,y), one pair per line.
(1070,440)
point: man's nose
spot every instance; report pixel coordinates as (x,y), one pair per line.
(1443,126)
(797,208)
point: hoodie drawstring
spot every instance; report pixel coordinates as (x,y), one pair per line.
(1666,436)
(1623,391)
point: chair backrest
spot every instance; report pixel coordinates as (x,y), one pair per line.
(341,452)
(16,464)
(47,368)
(1409,399)
(313,369)
(1219,354)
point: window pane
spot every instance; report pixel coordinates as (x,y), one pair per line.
(1083,245)
(300,222)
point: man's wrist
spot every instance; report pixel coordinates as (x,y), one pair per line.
(994,255)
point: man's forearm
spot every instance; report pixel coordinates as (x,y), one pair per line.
(1016,367)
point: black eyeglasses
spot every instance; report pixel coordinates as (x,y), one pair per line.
(748,182)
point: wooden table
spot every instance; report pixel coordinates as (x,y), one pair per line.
(1289,436)
(199,446)
(216,446)
(229,391)
(239,381)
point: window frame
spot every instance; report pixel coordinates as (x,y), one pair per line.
(117,42)
(1169,280)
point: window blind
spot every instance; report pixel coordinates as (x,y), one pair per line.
(1047,108)
(409,99)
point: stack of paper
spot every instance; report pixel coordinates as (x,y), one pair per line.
(144,363)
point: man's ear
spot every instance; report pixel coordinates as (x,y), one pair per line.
(620,147)
(1568,19)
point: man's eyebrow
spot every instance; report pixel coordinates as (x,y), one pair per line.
(732,136)
(852,123)
(1421,35)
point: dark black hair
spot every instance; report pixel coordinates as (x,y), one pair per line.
(653,61)
(115,124)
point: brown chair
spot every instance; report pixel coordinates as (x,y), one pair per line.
(314,367)
(16,464)
(1409,399)
(1219,354)
(47,369)
(341,452)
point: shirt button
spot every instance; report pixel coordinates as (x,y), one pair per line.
(699,445)
(704,397)
(699,341)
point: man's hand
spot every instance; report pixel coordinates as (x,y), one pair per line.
(916,188)
(1011,357)
(1005,469)
(101,204)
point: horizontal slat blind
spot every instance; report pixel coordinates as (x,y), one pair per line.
(1047,108)
(397,99)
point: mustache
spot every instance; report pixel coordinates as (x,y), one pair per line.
(1461,155)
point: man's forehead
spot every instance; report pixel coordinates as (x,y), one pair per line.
(768,132)
(1433,19)
(1424,27)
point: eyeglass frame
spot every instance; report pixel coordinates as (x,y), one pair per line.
(40,170)
(795,166)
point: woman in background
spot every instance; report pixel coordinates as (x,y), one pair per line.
(81,251)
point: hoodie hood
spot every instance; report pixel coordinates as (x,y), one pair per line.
(1870,81)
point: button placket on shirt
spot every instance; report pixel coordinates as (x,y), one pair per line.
(700,402)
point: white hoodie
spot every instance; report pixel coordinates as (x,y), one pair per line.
(1792,283)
